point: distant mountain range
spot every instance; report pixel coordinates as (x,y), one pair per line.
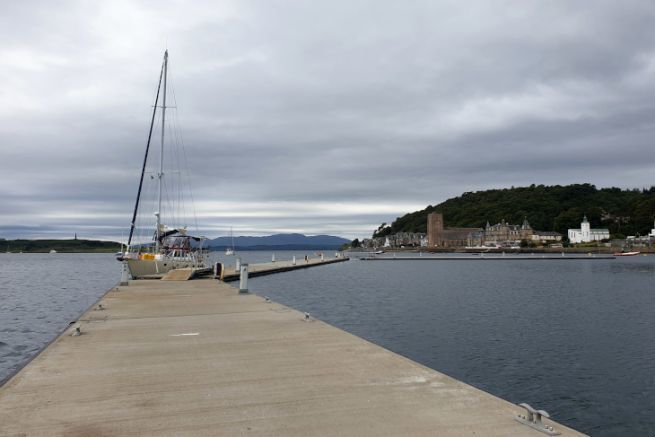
(280,242)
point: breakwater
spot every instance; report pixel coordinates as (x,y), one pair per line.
(532,257)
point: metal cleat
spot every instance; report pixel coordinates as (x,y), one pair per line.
(533,420)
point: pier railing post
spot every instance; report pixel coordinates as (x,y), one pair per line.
(125,275)
(273,258)
(243,278)
(237,266)
(294,260)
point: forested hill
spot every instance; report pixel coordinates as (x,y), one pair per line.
(58,245)
(547,208)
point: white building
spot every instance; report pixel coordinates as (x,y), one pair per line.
(585,234)
(652,232)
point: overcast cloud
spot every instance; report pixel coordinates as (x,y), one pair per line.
(317,117)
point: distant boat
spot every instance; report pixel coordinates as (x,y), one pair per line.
(626,253)
(230,250)
(53,251)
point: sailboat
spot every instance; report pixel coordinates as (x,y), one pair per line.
(230,250)
(171,248)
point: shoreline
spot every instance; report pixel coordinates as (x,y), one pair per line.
(524,250)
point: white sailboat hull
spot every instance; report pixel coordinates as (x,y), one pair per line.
(144,268)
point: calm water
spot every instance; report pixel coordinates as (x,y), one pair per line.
(40,294)
(575,338)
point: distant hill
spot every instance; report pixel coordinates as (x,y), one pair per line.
(280,242)
(547,208)
(72,245)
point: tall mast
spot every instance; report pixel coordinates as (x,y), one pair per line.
(160,175)
(145,161)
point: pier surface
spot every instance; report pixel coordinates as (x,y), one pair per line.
(269,268)
(197,358)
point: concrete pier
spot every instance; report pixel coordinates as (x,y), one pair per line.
(196,358)
(231,272)
(278,266)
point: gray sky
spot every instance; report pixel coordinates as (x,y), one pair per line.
(317,117)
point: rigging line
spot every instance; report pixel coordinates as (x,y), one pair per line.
(178,205)
(180,176)
(175,182)
(151,222)
(146,222)
(167,205)
(176,189)
(175,156)
(145,159)
(186,166)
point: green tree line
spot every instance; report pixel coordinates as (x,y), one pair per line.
(58,245)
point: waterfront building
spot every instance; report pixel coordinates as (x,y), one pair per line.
(503,233)
(652,232)
(400,239)
(407,239)
(546,237)
(440,236)
(585,234)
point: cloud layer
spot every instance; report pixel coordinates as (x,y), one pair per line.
(317,117)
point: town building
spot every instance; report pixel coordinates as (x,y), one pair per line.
(585,234)
(500,234)
(440,236)
(401,239)
(505,234)
(545,237)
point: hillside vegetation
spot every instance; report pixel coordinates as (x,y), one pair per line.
(58,245)
(547,208)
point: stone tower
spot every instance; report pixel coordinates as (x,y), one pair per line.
(435,229)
